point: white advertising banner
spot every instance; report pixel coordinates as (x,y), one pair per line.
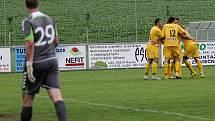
(117,56)
(5,60)
(71,57)
(206,52)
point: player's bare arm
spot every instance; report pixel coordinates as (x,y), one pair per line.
(29,47)
(183,35)
(56,41)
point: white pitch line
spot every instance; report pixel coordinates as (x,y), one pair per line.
(139,110)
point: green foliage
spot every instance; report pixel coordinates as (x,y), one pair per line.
(104,20)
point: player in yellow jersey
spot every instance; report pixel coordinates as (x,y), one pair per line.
(172,32)
(191,50)
(172,63)
(152,49)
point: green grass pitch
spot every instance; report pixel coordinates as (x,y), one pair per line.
(117,95)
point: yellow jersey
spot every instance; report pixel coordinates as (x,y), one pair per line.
(155,36)
(171,34)
(186,42)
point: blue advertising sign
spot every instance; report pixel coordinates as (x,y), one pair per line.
(69,57)
(19,53)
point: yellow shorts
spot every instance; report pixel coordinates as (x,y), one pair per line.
(191,51)
(152,51)
(172,51)
(181,55)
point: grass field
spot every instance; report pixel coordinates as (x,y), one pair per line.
(117,95)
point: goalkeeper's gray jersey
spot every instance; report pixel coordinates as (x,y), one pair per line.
(40,28)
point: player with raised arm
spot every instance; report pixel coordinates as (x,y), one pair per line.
(171,33)
(191,50)
(152,49)
(41,68)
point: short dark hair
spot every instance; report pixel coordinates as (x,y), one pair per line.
(171,19)
(157,20)
(31,4)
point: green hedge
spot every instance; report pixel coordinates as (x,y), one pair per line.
(105,20)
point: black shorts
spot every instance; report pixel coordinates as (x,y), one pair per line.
(46,74)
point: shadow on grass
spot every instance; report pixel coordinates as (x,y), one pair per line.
(17,115)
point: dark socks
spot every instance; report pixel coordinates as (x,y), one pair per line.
(61,110)
(26,113)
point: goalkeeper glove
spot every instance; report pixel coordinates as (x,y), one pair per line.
(30,72)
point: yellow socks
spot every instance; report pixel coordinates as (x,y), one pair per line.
(154,68)
(189,66)
(177,64)
(166,69)
(180,69)
(171,69)
(147,69)
(200,67)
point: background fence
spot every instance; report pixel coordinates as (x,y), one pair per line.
(106,21)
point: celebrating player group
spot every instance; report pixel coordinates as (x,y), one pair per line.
(170,35)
